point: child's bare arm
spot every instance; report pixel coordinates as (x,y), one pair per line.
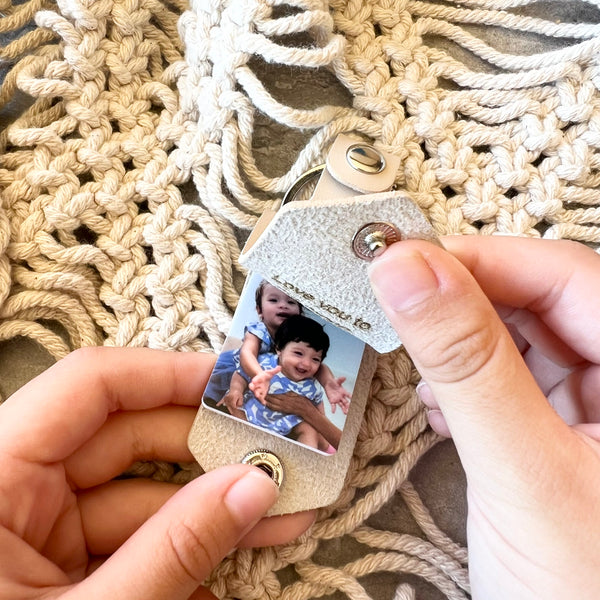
(249,355)
(234,398)
(336,393)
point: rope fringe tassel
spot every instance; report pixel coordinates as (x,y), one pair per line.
(130,103)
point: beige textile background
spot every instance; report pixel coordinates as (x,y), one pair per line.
(155,135)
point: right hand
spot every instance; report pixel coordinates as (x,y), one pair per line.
(295,404)
(533,481)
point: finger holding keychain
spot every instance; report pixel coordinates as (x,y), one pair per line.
(69,530)
(533,481)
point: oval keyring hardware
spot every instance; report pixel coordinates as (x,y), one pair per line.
(301,183)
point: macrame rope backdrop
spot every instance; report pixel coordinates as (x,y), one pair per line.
(132,99)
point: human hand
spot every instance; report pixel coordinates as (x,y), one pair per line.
(533,481)
(291,403)
(295,404)
(337,394)
(260,383)
(67,531)
(233,400)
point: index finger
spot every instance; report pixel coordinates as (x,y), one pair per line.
(557,280)
(55,413)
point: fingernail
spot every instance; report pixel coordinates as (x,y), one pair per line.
(437,422)
(249,498)
(402,279)
(425,394)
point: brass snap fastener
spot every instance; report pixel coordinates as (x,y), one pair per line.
(372,239)
(365,159)
(267,462)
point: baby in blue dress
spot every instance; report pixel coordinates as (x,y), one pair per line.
(228,384)
(301,345)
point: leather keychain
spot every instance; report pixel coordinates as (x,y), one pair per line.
(308,295)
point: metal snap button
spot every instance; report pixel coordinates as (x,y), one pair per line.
(372,239)
(267,462)
(365,159)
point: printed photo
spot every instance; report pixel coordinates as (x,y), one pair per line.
(285,370)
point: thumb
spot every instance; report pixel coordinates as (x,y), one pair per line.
(489,398)
(186,539)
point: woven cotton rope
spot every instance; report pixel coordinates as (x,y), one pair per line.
(133,101)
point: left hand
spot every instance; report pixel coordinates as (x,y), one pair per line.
(67,530)
(290,403)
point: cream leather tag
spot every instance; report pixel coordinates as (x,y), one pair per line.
(313,468)
(307,302)
(310,479)
(306,249)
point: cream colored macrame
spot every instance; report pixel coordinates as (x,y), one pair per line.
(97,233)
